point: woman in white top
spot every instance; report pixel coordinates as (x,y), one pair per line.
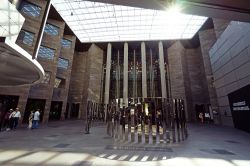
(31,119)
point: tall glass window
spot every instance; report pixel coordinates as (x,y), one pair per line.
(46,52)
(66,43)
(63,63)
(51,29)
(30,9)
(26,37)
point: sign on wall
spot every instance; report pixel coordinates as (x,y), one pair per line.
(240,107)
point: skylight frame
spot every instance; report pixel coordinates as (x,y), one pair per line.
(101,22)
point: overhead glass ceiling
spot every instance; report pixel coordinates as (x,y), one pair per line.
(101,22)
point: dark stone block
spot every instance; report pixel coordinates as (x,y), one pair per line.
(223,152)
(52,135)
(208,151)
(231,141)
(61,145)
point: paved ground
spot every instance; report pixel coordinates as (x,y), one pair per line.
(64,143)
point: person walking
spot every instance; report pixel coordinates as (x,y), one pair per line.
(36,119)
(11,118)
(6,123)
(31,117)
(201,117)
(16,116)
(207,117)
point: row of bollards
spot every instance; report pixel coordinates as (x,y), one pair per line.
(94,113)
(154,120)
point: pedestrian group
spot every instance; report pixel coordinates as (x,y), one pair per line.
(11,119)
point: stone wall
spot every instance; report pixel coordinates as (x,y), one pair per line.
(92,80)
(197,80)
(219,26)
(45,91)
(176,53)
(78,79)
(86,77)
(207,39)
(187,77)
(230,59)
(95,59)
(61,94)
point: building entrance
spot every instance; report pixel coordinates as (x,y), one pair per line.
(55,110)
(199,108)
(74,110)
(7,102)
(33,105)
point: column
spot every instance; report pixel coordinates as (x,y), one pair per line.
(107,79)
(162,70)
(144,72)
(125,75)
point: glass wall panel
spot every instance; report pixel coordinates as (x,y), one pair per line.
(153,73)
(113,75)
(46,52)
(131,73)
(26,37)
(66,43)
(100,22)
(51,29)
(153,77)
(30,9)
(63,63)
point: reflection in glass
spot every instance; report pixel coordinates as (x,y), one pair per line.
(63,63)
(65,43)
(51,29)
(46,52)
(26,37)
(30,9)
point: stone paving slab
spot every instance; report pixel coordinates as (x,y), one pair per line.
(66,144)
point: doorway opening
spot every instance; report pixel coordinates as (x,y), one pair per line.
(74,110)
(55,110)
(6,103)
(33,105)
(199,108)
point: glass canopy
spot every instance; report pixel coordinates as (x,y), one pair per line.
(101,22)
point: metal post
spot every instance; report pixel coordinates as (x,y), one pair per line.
(125,75)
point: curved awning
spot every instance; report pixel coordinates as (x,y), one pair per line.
(17,66)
